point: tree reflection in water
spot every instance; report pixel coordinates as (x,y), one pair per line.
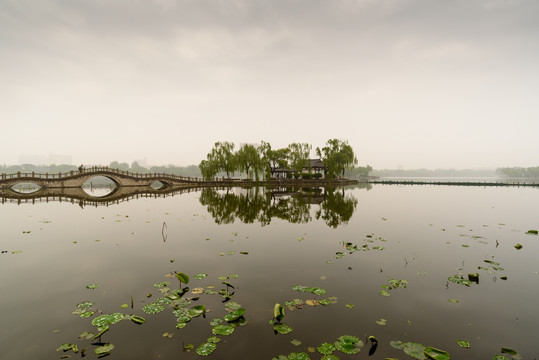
(334,206)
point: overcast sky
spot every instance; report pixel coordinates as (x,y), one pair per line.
(408,83)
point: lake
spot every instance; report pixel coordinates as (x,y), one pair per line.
(391,262)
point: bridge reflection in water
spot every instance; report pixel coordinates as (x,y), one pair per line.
(334,206)
(80,197)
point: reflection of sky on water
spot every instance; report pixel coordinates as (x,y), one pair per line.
(424,229)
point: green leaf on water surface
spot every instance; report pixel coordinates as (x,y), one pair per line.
(415,350)
(317,291)
(350,306)
(294,304)
(298,356)
(398,283)
(532,232)
(230,252)
(518,246)
(124,306)
(222,330)
(463,343)
(228,284)
(86,335)
(153,308)
(103,350)
(326,348)
(206,349)
(499,357)
(459,279)
(282,329)
(200,276)
(280,357)
(300,288)
(339,255)
(244,252)
(508,351)
(278,312)
(348,344)
(384,293)
(216,322)
(436,354)
(85,304)
(381,322)
(161,284)
(138,319)
(234,315)
(104,321)
(295,342)
(324,302)
(232,305)
(163,301)
(197,310)
(213,339)
(330,357)
(453,301)
(67,347)
(17,252)
(92,286)
(183,278)
(386,287)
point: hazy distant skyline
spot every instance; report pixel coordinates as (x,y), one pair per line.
(408,83)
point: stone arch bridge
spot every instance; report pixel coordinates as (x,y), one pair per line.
(76,179)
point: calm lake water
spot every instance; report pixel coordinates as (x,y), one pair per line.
(353,242)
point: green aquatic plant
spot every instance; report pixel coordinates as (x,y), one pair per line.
(222,330)
(153,308)
(206,348)
(348,344)
(183,278)
(532,232)
(104,321)
(68,346)
(282,328)
(326,348)
(463,343)
(103,350)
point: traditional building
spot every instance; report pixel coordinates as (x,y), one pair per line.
(312,166)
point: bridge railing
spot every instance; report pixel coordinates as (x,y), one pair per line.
(98,170)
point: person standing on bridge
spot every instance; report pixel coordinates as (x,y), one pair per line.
(81,168)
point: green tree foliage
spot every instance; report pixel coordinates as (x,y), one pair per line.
(519,172)
(298,156)
(249,161)
(337,155)
(223,156)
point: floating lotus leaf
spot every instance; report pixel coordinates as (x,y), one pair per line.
(499,357)
(532,232)
(300,288)
(317,291)
(463,343)
(180,303)
(104,321)
(216,322)
(138,319)
(197,310)
(200,276)
(234,315)
(85,304)
(181,325)
(222,330)
(436,354)
(239,322)
(184,278)
(294,304)
(329,357)
(510,352)
(197,291)
(298,356)
(153,308)
(384,293)
(459,279)
(92,286)
(161,284)
(348,344)
(415,350)
(278,312)
(295,342)
(324,302)
(67,347)
(86,335)
(326,348)
(213,339)
(280,357)
(86,314)
(282,329)
(312,302)
(103,350)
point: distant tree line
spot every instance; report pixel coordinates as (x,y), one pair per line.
(433,173)
(261,161)
(519,172)
(191,170)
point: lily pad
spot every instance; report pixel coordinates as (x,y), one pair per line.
(104,321)
(463,343)
(161,284)
(532,232)
(213,339)
(348,344)
(234,315)
(67,347)
(298,356)
(295,342)
(200,276)
(384,293)
(326,348)
(222,330)
(278,312)
(206,348)
(103,350)
(138,319)
(197,310)
(282,329)
(317,291)
(153,308)
(92,286)
(232,305)
(183,278)
(436,354)
(415,350)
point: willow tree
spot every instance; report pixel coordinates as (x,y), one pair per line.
(223,156)
(337,155)
(298,156)
(248,160)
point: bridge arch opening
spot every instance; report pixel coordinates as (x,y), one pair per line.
(25,188)
(159,185)
(100,186)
